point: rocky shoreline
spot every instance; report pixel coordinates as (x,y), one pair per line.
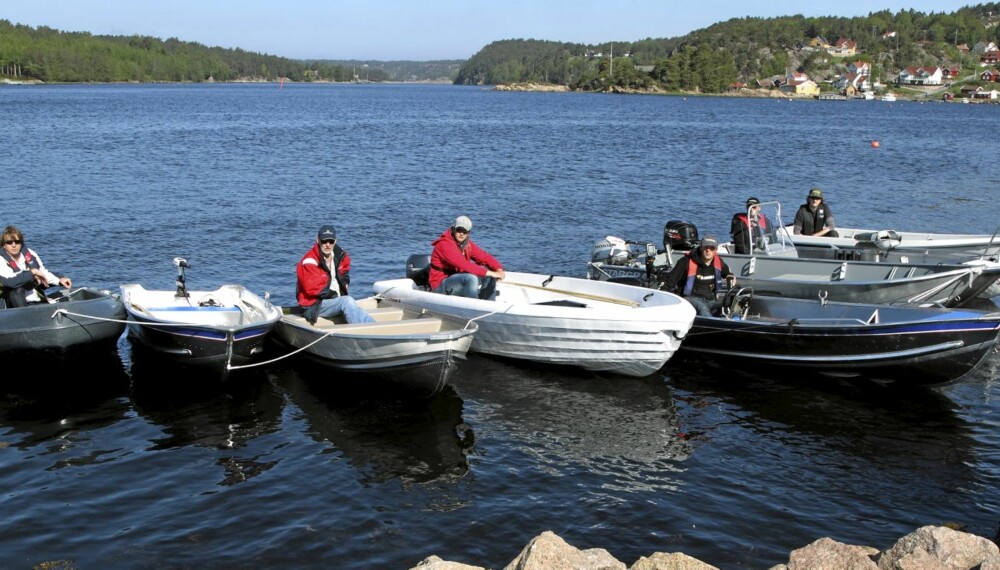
(927,548)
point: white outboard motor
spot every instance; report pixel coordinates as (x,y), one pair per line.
(610,250)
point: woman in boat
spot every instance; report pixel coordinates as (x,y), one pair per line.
(324,275)
(460,267)
(23,276)
(749,228)
(701,271)
(814,218)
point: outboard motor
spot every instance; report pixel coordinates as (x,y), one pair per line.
(418,268)
(181,282)
(680,235)
(610,250)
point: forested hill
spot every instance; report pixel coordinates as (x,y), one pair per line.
(739,50)
(46,54)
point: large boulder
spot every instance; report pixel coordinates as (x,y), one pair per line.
(548,551)
(941,548)
(828,553)
(435,563)
(671,561)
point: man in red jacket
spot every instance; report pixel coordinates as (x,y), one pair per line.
(324,273)
(460,267)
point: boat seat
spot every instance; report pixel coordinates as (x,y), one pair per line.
(224,316)
(409,326)
(386,314)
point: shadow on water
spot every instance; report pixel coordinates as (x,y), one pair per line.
(384,436)
(47,400)
(568,416)
(891,426)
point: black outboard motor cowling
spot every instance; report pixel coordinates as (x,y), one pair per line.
(418,268)
(680,235)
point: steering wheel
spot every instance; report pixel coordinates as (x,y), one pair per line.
(737,301)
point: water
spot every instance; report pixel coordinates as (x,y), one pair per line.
(126,464)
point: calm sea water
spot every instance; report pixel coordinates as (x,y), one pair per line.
(125,464)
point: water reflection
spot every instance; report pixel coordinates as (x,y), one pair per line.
(892,428)
(383,437)
(55,400)
(569,421)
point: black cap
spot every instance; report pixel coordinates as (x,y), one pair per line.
(751,201)
(327,232)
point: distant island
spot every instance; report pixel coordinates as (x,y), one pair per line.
(915,54)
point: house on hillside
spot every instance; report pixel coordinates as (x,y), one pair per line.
(801,87)
(991,75)
(860,67)
(852,82)
(991,94)
(819,42)
(962,48)
(970,91)
(843,48)
(920,76)
(770,82)
(989,58)
(984,47)
(950,73)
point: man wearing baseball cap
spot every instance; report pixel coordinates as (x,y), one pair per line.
(749,228)
(324,275)
(460,267)
(814,218)
(701,271)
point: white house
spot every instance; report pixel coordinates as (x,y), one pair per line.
(920,76)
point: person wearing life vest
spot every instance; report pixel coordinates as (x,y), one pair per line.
(324,275)
(814,218)
(460,267)
(698,277)
(749,228)
(23,276)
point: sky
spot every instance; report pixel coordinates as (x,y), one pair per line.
(415,30)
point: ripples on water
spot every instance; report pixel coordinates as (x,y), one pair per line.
(146,466)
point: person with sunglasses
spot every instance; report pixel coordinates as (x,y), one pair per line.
(698,277)
(814,218)
(23,277)
(749,228)
(324,276)
(460,267)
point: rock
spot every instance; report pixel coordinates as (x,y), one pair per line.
(549,552)
(828,553)
(938,547)
(435,563)
(671,561)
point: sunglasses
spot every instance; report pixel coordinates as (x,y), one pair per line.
(710,247)
(328,241)
(815,198)
(12,241)
(461,231)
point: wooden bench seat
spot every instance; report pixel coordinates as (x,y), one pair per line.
(409,326)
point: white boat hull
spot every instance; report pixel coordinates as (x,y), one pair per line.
(602,327)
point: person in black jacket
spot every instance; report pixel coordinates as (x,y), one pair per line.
(814,218)
(749,228)
(698,277)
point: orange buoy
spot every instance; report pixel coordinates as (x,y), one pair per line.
(875,144)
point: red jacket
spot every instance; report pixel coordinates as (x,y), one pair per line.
(449,258)
(313,275)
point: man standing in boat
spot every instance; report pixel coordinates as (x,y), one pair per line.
(814,218)
(701,271)
(749,228)
(460,267)
(323,279)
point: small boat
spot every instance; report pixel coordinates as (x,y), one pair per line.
(410,347)
(889,97)
(603,327)
(901,345)
(900,241)
(211,330)
(70,323)
(775,268)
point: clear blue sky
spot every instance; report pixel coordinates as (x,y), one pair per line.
(412,29)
